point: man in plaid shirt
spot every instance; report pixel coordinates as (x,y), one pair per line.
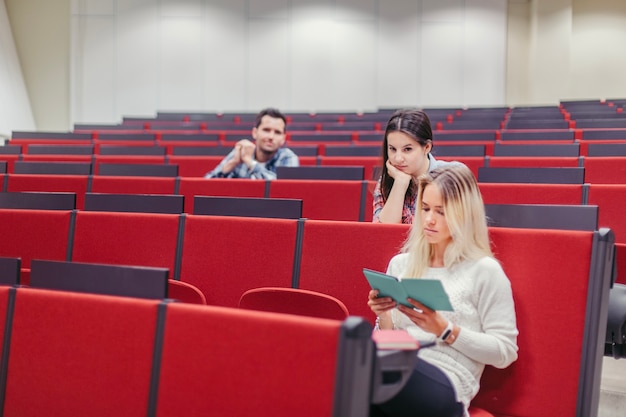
(259,159)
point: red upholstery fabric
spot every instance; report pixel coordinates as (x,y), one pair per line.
(80,355)
(322,199)
(369,201)
(605,170)
(620,259)
(294,301)
(4,300)
(10,160)
(56,158)
(472,162)
(142,239)
(610,199)
(479,412)
(222,187)
(367,162)
(547,301)
(34,234)
(194,166)
(226,256)
(263,380)
(126,159)
(523,193)
(53,183)
(132,185)
(335,253)
(185,292)
(533,161)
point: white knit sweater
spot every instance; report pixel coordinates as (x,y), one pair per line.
(481,296)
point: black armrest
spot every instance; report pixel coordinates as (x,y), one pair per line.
(615,343)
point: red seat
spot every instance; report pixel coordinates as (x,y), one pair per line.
(54,183)
(533,161)
(605,170)
(140,239)
(224,257)
(620,261)
(526,193)
(263,362)
(132,185)
(185,292)
(224,187)
(294,301)
(609,198)
(322,199)
(80,355)
(346,248)
(34,234)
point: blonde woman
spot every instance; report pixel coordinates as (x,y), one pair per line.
(449,241)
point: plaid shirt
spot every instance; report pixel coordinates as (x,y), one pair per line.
(408,208)
(284,157)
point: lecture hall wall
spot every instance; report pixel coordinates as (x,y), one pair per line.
(135,57)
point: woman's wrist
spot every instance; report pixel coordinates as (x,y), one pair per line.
(384,322)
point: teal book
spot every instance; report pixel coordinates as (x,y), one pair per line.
(429,292)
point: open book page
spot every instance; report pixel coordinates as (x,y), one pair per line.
(429,292)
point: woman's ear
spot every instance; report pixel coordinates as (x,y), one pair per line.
(428,147)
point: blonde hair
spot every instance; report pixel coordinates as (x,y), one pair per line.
(464,212)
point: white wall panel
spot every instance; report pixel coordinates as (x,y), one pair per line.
(182,8)
(226,56)
(137,73)
(443,10)
(298,55)
(484,72)
(15,111)
(355,9)
(181,64)
(93,7)
(268,63)
(264,9)
(94,69)
(312,67)
(399,56)
(353,76)
(441,82)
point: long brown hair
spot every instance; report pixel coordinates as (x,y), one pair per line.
(414,123)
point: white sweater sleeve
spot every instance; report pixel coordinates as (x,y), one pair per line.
(496,345)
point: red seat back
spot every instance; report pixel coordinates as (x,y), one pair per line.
(322,199)
(34,234)
(609,198)
(540,288)
(335,253)
(225,256)
(263,381)
(140,239)
(221,187)
(294,301)
(80,355)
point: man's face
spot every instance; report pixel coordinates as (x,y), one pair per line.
(270,135)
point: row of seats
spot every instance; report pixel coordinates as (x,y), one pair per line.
(597,169)
(198,148)
(329,258)
(344,134)
(321,199)
(71,354)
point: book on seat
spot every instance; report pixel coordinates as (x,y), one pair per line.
(429,292)
(394,339)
